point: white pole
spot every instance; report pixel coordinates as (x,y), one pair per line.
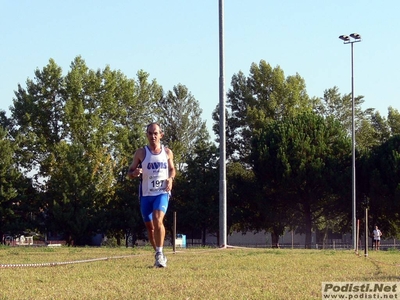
(222,134)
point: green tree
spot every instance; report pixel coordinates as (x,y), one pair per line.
(265,95)
(244,212)
(37,115)
(181,118)
(375,129)
(371,128)
(121,217)
(8,179)
(19,209)
(92,117)
(297,160)
(78,184)
(380,175)
(186,134)
(195,195)
(394,121)
(340,107)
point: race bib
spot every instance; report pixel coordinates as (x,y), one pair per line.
(156,183)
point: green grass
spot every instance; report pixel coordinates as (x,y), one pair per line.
(191,274)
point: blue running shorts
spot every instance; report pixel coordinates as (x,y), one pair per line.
(148,204)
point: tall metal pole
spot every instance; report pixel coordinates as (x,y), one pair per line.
(222,134)
(353,151)
(355,38)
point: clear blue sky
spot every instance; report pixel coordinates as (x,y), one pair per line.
(176,41)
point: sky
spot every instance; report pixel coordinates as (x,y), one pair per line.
(177,42)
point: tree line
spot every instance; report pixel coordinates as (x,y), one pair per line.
(70,139)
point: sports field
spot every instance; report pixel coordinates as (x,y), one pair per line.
(203,273)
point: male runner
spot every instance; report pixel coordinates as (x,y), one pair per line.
(154,163)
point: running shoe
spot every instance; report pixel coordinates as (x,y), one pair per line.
(161,260)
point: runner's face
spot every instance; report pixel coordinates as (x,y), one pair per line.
(153,134)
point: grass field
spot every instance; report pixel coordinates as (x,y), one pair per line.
(204,273)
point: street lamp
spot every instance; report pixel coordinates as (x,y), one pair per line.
(354,38)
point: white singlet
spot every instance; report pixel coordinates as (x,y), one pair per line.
(154,173)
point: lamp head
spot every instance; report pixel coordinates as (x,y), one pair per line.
(355,36)
(344,38)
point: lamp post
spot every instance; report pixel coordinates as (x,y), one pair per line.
(223,235)
(354,38)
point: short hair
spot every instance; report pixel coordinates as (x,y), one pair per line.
(154,123)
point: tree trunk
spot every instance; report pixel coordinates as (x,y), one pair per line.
(69,240)
(308,226)
(325,238)
(275,239)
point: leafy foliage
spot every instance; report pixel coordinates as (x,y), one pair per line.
(69,140)
(195,196)
(381,185)
(263,96)
(296,160)
(78,133)
(183,126)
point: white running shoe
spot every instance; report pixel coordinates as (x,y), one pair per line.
(161,260)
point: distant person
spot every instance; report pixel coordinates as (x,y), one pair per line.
(154,165)
(377,237)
